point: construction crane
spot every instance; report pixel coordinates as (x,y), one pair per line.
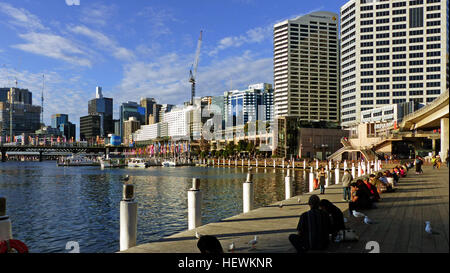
(193,74)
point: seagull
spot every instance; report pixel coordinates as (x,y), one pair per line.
(280,205)
(358,214)
(232,247)
(428,227)
(198,235)
(298,200)
(126,178)
(253,242)
(367,220)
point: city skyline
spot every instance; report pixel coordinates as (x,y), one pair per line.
(149,55)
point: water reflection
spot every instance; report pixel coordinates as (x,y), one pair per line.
(50,205)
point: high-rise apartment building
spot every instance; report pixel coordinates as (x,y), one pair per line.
(149,105)
(306,67)
(392,52)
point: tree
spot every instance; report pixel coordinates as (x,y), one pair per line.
(204,145)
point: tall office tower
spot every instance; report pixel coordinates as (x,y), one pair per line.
(150,108)
(130,109)
(306,66)
(62,123)
(391,52)
(102,107)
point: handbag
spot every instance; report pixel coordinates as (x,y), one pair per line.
(348,235)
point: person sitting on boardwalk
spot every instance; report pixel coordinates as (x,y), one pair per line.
(346,180)
(313,228)
(208,244)
(322,175)
(373,192)
(336,216)
(360,198)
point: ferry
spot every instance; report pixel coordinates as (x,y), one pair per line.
(78,160)
(137,163)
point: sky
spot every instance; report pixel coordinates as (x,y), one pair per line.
(138,48)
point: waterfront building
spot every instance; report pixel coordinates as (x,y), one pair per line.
(61,122)
(151,132)
(149,105)
(129,127)
(90,127)
(130,109)
(306,67)
(26,117)
(249,105)
(102,107)
(391,52)
(178,122)
(162,109)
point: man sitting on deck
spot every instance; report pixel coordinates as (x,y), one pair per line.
(313,228)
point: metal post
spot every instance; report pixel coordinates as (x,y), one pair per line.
(194,205)
(128,218)
(5,222)
(288,185)
(248,193)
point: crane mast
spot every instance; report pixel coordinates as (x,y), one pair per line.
(193,74)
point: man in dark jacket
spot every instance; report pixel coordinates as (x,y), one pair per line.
(313,228)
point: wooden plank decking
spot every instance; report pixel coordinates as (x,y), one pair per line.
(399,228)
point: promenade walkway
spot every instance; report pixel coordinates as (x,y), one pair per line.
(400,222)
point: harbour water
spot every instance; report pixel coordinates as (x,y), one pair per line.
(50,206)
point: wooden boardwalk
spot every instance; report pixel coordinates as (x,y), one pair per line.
(399,222)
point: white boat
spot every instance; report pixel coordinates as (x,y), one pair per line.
(137,163)
(78,160)
(169,164)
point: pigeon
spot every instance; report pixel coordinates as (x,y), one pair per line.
(367,220)
(358,214)
(253,242)
(232,247)
(428,227)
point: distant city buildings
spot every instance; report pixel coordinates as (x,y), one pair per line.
(16,106)
(62,123)
(131,109)
(102,107)
(392,52)
(129,127)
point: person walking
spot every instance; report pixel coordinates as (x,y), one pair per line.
(346,181)
(322,175)
(438,161)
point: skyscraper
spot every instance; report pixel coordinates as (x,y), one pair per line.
(149,105)
(392,52)
(306,67)
(131,109)
(61,122)
(102,107)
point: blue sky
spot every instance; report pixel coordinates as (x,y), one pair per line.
(138,48)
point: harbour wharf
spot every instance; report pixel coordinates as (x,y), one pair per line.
(399,222)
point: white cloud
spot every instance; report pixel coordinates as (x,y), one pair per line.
(21,17)
(158,20)
(104,42)
(97,14)
(53,46)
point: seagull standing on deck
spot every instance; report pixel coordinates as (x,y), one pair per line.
(428,228)
(253,242)
(298,200)
(358,214)
(280,205)
(198,235)
(367,220)
(126,178)
(232,247)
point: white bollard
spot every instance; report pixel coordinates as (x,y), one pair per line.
(194,205)
(353,171)
(248,193)
(282,164)
(256,163)
(288,186)
(229,162)
(274,164)
(311,180)
(265,163)
(5,222)
(304,165)
(235,162)
(363,167)
(128,218)
(345,165)
(330,165)
(328,178)
(242,162)
(317,164)
(293,163)
(248,163)
(336,175)
(359,169)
